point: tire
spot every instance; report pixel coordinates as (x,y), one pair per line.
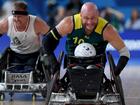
(116,79)
(2,96)
(50,84)
(44,92)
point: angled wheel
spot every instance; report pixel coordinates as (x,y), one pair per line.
(34,97)
(43,92)
(50,87)
(116,79)
(52,81)
(2,96)
(11,95)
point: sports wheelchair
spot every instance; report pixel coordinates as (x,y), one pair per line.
(21,78)
(88,84)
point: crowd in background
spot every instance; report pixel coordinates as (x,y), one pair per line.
(54,12)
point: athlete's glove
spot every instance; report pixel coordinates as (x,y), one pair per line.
(51,62)
(121,64)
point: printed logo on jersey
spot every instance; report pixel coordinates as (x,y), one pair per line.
(16,41)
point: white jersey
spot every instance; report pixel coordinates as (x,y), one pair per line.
(23,42)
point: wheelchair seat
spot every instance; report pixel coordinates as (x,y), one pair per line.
(84,61)
(85,76)
(85,83)
(20,68)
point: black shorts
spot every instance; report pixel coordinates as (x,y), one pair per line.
(27,59)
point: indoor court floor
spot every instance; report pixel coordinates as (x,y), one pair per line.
(130,80)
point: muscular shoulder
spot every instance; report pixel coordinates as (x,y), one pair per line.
(65,26)
(112,36)
(4,25)
(41,27)
(109,32)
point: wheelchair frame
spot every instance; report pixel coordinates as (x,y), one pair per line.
(23,87)
(69,97)
(12,87)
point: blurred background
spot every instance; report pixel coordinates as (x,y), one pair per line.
(122,14)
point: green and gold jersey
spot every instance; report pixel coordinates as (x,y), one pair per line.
(78,36)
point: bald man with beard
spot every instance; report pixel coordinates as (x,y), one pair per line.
(86,26)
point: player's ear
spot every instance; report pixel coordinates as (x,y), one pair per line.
(97,13)
(80,14)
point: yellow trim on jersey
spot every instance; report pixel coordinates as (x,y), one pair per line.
(77,21)
(101,24)
(54,35)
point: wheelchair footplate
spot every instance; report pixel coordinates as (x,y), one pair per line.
(70,98)
(85,89)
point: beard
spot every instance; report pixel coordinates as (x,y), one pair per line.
(88,29)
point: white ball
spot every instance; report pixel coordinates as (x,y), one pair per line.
(85,50)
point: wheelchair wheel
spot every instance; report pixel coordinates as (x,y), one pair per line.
(44,92)
(11,95)
(38,76)
(34,97)
(116,80)
(2,96)
(50,84)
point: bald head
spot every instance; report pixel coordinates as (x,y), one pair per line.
(89,16)
(89,7)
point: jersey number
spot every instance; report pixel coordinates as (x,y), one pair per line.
(78,41)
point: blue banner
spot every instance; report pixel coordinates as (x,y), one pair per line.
(130,37)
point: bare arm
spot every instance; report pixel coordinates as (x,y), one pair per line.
(111,35)
(65,26)
(41,27)
(3,26)
(51,41)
